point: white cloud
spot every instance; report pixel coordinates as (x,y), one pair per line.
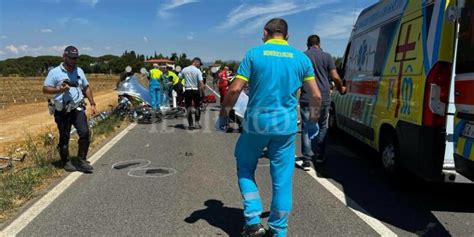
(91,3)
(108,47)
(25,50)
(190,36)
(81,21)
(17,49)
(64,20)
(68,20)
(85,49)
(12,49)
(145,39)
(56,49)
(3,37)
(335,25)
(46,30)
(254,16)
(2,53)
(163,10)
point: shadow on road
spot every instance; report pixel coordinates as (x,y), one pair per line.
(407,204)
(228,219)
(178,126)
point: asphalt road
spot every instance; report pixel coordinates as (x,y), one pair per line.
(197,193)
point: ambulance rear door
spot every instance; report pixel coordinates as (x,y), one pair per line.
(463,137)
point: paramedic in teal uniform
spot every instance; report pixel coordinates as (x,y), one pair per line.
(274,71)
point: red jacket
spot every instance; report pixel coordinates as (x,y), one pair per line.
(223,82)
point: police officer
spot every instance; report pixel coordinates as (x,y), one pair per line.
(68,84)
(275,72)
(155,85)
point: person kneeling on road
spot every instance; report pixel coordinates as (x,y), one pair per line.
(68,83)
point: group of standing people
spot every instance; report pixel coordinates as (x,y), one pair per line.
(70,87)
(275,72)
(161,83)
(188,84)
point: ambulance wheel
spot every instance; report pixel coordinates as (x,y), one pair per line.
(390,154)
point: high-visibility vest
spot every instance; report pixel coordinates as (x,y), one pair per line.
(174,78)
(155,74)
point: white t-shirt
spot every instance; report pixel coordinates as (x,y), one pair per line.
(191,75)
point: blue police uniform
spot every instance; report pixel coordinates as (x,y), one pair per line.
(68,109)
(275,71)
(74,96)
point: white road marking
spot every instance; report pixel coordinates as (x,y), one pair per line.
(140,171)
(24,219)
(213,91)
(375,224)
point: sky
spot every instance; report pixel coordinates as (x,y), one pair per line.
(210,29)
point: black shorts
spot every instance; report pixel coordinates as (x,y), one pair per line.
(191,96)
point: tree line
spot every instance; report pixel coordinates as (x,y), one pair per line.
(108,64)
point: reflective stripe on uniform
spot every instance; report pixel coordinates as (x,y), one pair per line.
(242,77)
(252,214)
(279,214)
(251,196)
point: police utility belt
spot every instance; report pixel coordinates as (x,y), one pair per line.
(62,107)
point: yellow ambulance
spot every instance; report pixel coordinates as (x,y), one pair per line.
(409,96)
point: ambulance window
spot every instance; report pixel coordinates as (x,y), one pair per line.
(362,55)
(386,34)
(465,60)
(342,68)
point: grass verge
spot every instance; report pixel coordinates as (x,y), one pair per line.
(27,179)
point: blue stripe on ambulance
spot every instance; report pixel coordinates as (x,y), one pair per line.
(467,148)
(458,130)
(437,45)
(426,61)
